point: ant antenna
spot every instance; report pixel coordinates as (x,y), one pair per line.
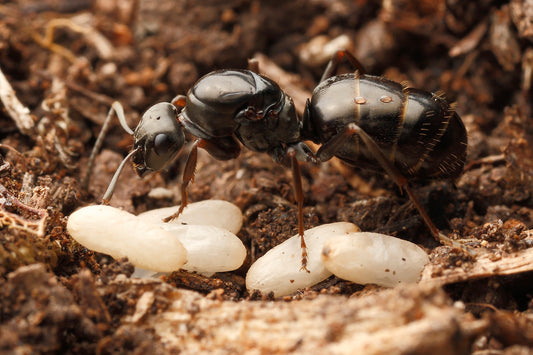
(116,108)
(111,188)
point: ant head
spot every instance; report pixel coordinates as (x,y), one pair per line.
(157,138)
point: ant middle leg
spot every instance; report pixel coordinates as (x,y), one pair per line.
(292,155)
(299,197)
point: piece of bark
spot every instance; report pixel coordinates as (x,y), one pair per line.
(16,110)
(404,320)
(484,266)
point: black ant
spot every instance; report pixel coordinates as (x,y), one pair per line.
(364,120)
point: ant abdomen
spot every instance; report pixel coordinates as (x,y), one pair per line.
(416,130)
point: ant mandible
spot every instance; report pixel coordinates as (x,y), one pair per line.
(363,120)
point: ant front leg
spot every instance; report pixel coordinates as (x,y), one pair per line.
(335,61)
(329,148)
(188,176)
(221,148)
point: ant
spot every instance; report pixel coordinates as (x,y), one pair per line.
(363,120)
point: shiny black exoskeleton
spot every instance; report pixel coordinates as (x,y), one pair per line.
(223,110)
(364,120)
(416,130)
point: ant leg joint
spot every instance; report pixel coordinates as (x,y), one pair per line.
(352,129)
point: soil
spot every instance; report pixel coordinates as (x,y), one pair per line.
(67,61)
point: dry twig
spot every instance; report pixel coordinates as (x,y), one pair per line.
(16,110)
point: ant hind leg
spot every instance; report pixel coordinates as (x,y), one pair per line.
(335,61)
(329,148)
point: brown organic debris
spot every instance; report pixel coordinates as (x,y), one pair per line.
(64,62)
(403,320)
(15,214)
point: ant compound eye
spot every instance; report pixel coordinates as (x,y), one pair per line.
(162,144)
